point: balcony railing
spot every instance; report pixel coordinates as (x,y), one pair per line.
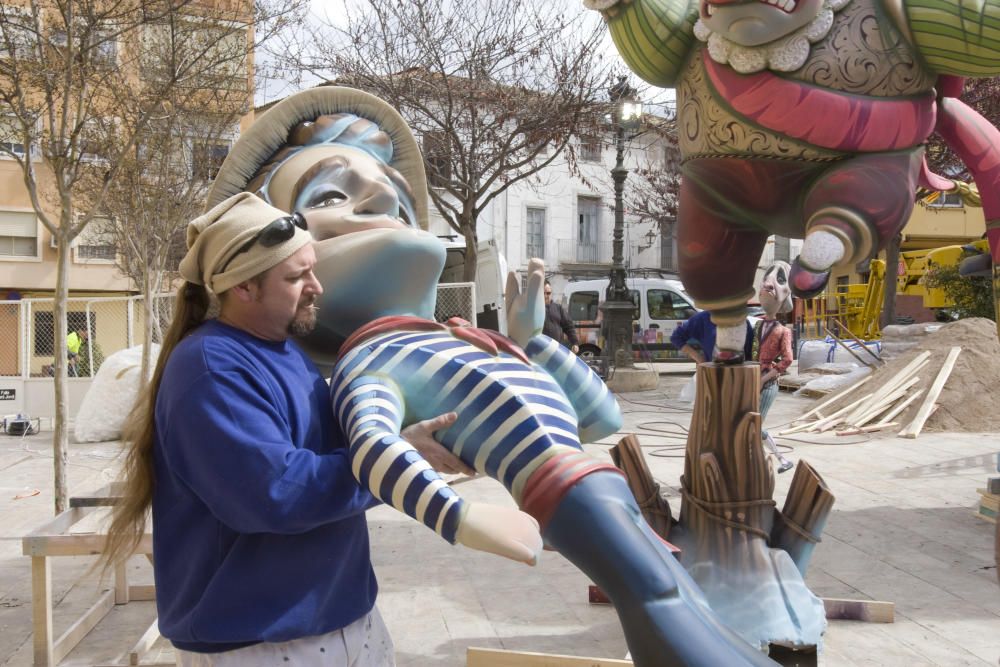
(600,253)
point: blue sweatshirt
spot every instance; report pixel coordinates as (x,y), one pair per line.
(259,530)
(699,332)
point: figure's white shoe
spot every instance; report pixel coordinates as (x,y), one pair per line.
(820,251)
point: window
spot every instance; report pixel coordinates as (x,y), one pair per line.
(535,233)
(782,249)
(96,242)
(590,149)
(588,217)
(18,234)
(208,159)
(219,48)
(10,141)
(17,32)
(437,156)
(583,306)
(667,305)
(95,139)
(98,44)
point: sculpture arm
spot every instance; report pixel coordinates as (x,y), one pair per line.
(370,411)
(654,37)
(598,414)
(956,36)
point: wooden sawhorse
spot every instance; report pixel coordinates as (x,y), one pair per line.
(55,539)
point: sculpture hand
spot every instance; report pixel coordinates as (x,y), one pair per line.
(526,312)
(421,436)
(503,531)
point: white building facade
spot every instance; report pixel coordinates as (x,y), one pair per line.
(566,217)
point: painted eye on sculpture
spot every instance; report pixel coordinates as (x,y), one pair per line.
(782,278)
(327,199)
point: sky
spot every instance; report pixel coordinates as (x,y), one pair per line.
(656,100)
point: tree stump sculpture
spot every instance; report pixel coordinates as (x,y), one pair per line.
(747,557)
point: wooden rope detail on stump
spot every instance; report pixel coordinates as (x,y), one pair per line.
(706,506)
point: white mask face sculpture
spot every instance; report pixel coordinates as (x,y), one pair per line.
(370,257)
(343,189)
(775,294)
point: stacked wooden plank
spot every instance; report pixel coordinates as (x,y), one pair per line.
(879,409)
(989,505)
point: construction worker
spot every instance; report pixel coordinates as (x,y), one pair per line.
(74,341)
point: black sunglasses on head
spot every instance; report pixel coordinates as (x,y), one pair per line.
(271,235)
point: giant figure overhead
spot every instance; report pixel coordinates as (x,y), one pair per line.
(807,118)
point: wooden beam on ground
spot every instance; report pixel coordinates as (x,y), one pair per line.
(836,398)
(913,429)
(867,429)
(894,383)
(820,423)
(869,611)
(488,657)
(899,408)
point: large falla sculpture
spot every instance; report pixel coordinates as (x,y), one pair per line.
(349,164)
(806,119)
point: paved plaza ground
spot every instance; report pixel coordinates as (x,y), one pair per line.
(902,530)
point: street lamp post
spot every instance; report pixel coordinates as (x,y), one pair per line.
(618,307)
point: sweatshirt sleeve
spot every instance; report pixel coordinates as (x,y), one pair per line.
(228,443)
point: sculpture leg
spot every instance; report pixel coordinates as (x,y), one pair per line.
(598,526)
(851,211)
(718,262)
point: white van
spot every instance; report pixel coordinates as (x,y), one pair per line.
(660,305)
(491,278)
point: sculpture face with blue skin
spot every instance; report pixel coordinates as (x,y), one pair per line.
(372,259)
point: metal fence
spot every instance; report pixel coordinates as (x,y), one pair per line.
(109,324)
(27,328)
(456,300)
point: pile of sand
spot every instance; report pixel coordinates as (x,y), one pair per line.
(970,400)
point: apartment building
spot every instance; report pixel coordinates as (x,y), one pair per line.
(199,48)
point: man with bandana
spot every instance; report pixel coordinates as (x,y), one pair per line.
(260,542)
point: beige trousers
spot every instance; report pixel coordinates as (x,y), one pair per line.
(364,643)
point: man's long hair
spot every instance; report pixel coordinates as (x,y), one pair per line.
(129,515)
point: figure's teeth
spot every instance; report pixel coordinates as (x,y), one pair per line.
(787,6)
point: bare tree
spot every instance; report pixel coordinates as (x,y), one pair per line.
(983,95)
(80,81)
(494,90)
(160,189)
(653,188)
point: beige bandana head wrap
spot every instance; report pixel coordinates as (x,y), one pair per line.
(214,239)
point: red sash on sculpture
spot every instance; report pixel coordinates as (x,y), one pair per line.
(803,111)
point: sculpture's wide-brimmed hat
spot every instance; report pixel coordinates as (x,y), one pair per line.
(270,131)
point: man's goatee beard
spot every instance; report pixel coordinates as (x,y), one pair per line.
(304,324)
